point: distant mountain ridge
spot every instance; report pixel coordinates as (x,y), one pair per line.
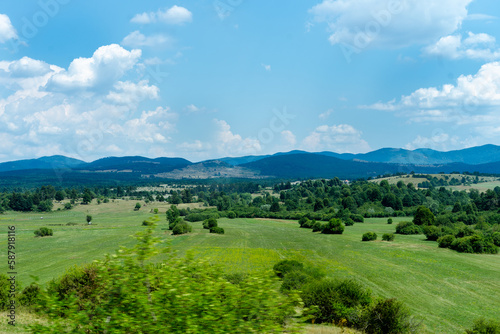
(422,156)
(52,162)
(293,164)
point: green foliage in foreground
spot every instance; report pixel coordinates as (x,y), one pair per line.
(123,294)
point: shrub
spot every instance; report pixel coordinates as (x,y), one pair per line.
(334,226)
(483,326)
(231,215)
(388,237)
(407,228)
(446,241)
(317,226)
(79,286)
(137,206)
(150,221)
(330,300)
(294,280)
(181,228)
(496,238)
(357,218)
(88,218)
(432,232)
(369,236)
(172,224)
(67,206)
(389,220)
(30,295)
(4,292)
(348,222)
(304,222)
(286,266)
(388,316)
(43,232)
(217,230)
(209,223)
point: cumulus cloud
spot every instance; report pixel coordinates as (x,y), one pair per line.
(471,100)
(86,111)
(137,39)
(175,15)
(228,143)
(7,31)
(474,46)
(107,64)
(288,138)
(342,138)
(394,24)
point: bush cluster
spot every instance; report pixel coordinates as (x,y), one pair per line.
(212,225)
(369,236)
(388,237)
(407,228)
(43,232)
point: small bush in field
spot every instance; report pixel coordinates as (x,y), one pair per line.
(388,237)
(43,232)
(286,266)
(217,230)
(389,220)
(334,226)
(389,316)
(369,236)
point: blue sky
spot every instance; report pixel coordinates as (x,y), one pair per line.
(205,79)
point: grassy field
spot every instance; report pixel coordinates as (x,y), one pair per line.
(447,290)
(485,182)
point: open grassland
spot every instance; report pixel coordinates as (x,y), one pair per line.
(485,182)
(447,290)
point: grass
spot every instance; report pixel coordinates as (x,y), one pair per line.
(447,290)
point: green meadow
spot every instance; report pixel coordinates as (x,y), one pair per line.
(445,289)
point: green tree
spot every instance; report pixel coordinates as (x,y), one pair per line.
(334,226)
(172,214)
(423,216)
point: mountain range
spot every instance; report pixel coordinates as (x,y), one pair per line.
(289,165)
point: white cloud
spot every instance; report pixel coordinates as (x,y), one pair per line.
(131,93)
(474,46)
(228,143)
(326,114)
(7,31)
(342,138)
(175,15)
(394,24)
(85,111)
(288,138)
(107,64)
(192,108)
(471,100)
(137,39)
(152,127)
(267,67)
(196,146)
